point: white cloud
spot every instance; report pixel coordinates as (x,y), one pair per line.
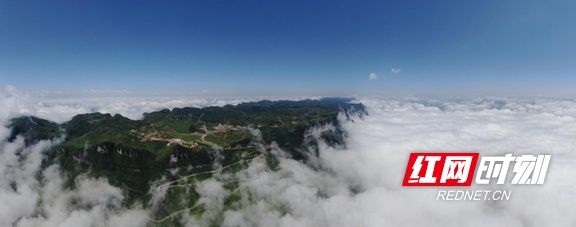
(373,76)
(395,70)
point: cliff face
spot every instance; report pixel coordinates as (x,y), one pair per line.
(133,153)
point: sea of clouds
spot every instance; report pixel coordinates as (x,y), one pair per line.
(361,184)
(355,185)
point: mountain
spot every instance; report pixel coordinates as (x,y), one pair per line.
(184,143)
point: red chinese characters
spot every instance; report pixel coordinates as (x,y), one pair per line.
(440,169)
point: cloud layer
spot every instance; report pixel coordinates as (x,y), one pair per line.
(17,103)
(359,185)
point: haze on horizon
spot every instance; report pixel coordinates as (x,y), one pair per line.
(288,48)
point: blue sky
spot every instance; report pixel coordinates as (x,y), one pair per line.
(298,46)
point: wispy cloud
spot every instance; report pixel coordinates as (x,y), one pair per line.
(395,70)
(108,91)
(373,76)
